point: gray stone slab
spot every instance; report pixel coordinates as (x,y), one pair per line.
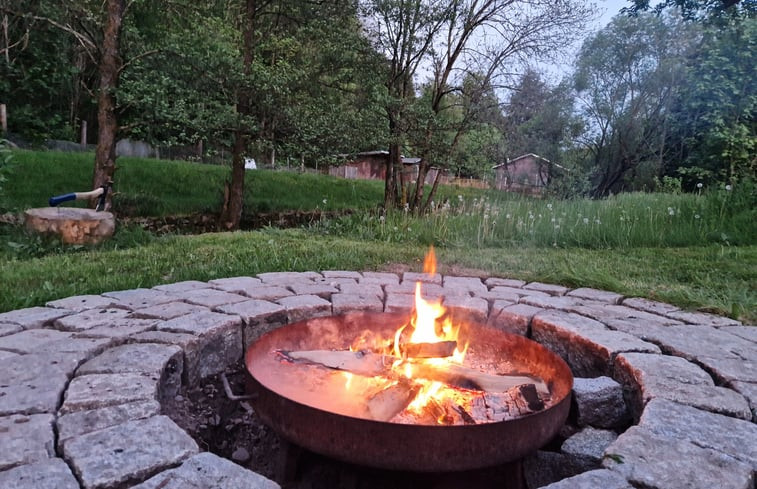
(399,303)
(734,437)
(543,467)
(520,292)
(512,318)
(649,376)
(87,392)
(703,318)
(52,473)
(26,439)
(34,383)
(9,328)
(140,298)
(381,278)
(341,274)
(286,278)
(464,308)
(82,422)
(550,289)
(746,332)
(82,349)
(588,446)
(164,338)
(343,303)
(658,462)
(599,402)
(207,471)
(584,343)
(267,292)
(237,285)
(474,285)
(7,354)
(647,305)
(301,307)
(602,478)
(81,303)
(30,340)
(127,453)
(167,311)
(34,317)
(596,295)
(499,293)
(334,281)
(428,290)
(413,277)
(324,291)
(89,319)
(749,391)
(729,370)
(119,329)
(606,312)
(211,298)
(165,362)
(363,290)
(641,329)
(552,302)
(258,317)
(694,342)
(504,282)
(184,286)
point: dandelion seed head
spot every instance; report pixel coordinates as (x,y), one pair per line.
(586,220)
(699,185)
(728,187)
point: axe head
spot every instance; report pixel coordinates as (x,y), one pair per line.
(103,197)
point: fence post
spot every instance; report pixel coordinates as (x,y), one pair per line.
(3,119)
(83,140)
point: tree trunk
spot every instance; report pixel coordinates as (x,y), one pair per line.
(110,70)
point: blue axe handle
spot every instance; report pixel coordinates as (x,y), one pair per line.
(59,199)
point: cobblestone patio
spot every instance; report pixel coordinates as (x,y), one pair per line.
(83,378)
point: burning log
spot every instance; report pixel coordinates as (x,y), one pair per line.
(439,349)
(390,401)
(371,364)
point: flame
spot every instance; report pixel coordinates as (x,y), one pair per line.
(429,263)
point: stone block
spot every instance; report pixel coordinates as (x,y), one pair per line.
(236,285)
(140,298)
(52,473)
(164,338)
(211,298)
(26,439)
(428,290)
(606,312)
(167,311)
(542,468)
(499,294)
(165,362)
(596,295)
(34,317)
(286,278)
(34,383)
(746,332)
(731,436)
(258,317)
(563,303)
(703,318)
(550,289)
(206,470)
(344,303)
(301,307)
(127,453)
(81,303)
(89,319)
(695,342)
(512,318)
(87,392)
(413,277)
(82,349)
(30,340)
(185,286)
(474,285)
(9,328)
(399,303)
(341,274)
(380,278)
(467,309)
(82,422)
(653,461)
(7,354)
(602,478)
(267,292)
(322,290)
(648,377)
(504,282)
(749,391)
(647,305)
(587,447)
(363,290)
(599,402)
(119,329)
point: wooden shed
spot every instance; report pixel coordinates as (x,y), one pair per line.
(528,174)
(371,165)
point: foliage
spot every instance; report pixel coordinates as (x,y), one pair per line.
(5,166)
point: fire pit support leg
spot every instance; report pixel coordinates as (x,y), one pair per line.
(288,463)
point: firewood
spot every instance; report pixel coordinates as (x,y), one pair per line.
(440,349)
(371,364)
(390,401)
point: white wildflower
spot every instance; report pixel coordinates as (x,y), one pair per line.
(699,185)
(586,220)
(728,187)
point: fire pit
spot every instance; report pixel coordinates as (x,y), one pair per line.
(426,392)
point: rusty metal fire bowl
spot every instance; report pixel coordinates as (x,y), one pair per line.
(307,413)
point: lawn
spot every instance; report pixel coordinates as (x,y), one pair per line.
(695,251)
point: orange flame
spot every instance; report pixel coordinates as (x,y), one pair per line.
(429,263)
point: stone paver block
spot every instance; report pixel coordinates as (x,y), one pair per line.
(165,338)
(167,311)
(165,362)
(465,308)
(550,289)
(31,340)
(89,319)
(82,422)
(599,402)
(267,292)
(87,392)
(127,453)
(286,278)
(606,312)
(334,281)
(513,318)
(34,383)
(413,277)
(9,328)
(543,467)
(34,317)
(553,302)
(258,317)
(661,376)
(119,329)
(301,307)
(729,370)
(428,290)
(703,318)
(7,354)
(500,294)
(343,303)
(657,462)
(380,278)
(596,295)
(140,298)
(26,439)
(52,473)
(206,470)
(399,303)
(647,305)
(746,332)
(694,342)
(602,478)
(749,391)
(82,349)
(322,290)
(641,329)
(210,297)
(363,290)
(236,285)
(179,287)
(584,343)
(734,437)
(504,282)
(341,274)
(473,285)
(81,303)
(588,446)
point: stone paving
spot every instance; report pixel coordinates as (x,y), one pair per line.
(83,378)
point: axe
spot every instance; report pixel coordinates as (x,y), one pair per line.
(100,193)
